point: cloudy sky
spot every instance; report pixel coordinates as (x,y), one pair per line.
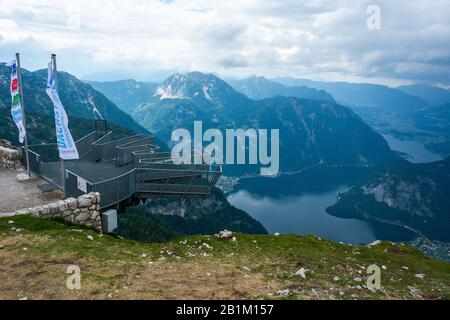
(316,39)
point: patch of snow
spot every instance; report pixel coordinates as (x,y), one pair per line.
(165,92)
(206,94)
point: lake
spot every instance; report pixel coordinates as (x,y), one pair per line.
(297,203)
(303,214)
(412,151)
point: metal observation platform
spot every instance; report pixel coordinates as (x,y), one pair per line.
(124,169)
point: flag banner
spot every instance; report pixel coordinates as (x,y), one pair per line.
(66,145)
(16,106)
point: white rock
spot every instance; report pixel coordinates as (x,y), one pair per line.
(383,267)
(225,234)
(24,298)
(144,255)
(22,177)
(207,246)
(301,273)
(90,238)
(10,222)
(357,279)
(420,276)
(406,268)
(376,242)
(284,292)
(246,268)
(336,279)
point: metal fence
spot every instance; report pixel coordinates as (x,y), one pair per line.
(152,173)
(34,158)
(84,145)
(114,190)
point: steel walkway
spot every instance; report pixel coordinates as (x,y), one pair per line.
(120,169)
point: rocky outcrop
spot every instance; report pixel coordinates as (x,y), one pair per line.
(403,194)
(9,158)
(85,210)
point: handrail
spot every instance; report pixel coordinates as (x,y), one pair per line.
(115,178)
(93,132)
(114,141)
(101,138)
(66,170)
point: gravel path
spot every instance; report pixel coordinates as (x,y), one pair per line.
(16,195)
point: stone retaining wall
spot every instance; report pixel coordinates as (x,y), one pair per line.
(9,158)
(85,210)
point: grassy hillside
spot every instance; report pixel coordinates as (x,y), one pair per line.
(35,254)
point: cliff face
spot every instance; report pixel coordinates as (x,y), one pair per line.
(163,219)
(413,195)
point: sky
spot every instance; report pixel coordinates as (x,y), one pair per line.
(314,39)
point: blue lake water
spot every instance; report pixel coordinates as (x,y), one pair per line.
(413,151)
(297,204)
(303,214)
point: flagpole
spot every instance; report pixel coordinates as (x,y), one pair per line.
(55,76)
(19,76)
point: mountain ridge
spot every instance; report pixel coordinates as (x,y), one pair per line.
(78,98)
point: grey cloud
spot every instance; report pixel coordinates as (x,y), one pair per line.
(314,37)
(233,61)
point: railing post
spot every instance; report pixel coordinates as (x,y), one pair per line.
(117,194)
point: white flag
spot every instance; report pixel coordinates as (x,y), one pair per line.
(16,106)
(66,145)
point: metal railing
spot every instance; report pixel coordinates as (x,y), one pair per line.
(106,151)
(152,173)
(35,162)
(117,189)
(84,145)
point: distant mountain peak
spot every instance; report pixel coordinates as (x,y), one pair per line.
(196,86)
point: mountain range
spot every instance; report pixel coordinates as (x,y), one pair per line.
(261,88)
(77,97)
(312,132)
(433,95)
(364,95)
(415,112)
(126,93)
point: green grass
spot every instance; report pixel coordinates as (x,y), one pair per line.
(274,258)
